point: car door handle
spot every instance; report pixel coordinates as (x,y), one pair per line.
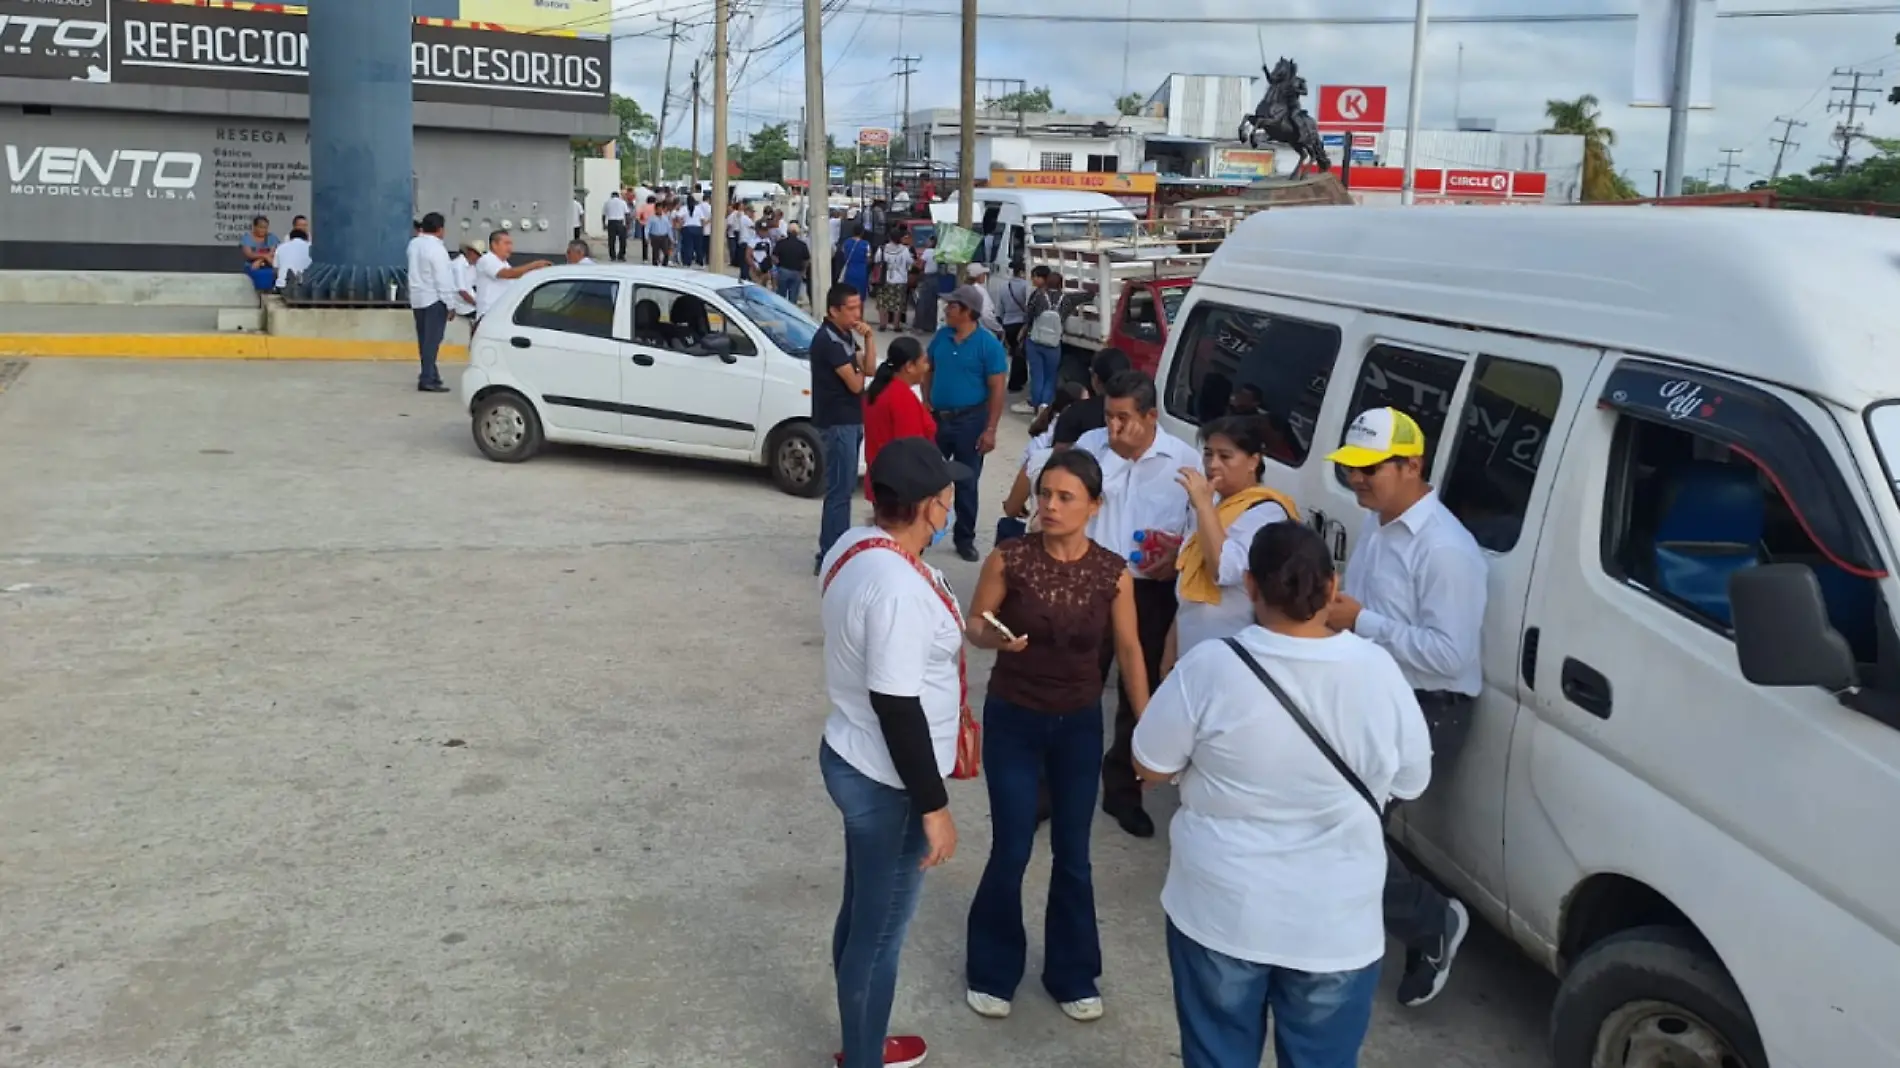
(1527,659)
(521,342)
(643,359)
(1585,687)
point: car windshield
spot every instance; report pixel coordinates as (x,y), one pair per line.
(1081,229)
(1883,422)
(1171,302)
(784,322)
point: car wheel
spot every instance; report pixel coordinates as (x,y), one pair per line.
(506,428)
(1653,997)
(796,455)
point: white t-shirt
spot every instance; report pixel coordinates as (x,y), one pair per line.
(615,209)
(490,286)
(1196,622)
(464,273)
(702,214)
(293,257)
(930,261)
(887,631)
(579,213)
(735,220)
(1273,857)
(898,260)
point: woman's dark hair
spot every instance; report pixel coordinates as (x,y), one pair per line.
(1292,568)
(266,221)
(896,358)
(1067,394)
(1079,463)
(1250,434)
(895,515)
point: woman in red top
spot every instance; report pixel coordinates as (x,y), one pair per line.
(891,407)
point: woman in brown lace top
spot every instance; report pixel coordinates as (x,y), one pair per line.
(1057,595)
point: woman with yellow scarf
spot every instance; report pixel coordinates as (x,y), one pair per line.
(1230,506)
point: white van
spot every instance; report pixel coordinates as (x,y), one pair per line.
(1013,219)
(1677,434)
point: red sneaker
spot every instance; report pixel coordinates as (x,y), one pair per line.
(900,1051)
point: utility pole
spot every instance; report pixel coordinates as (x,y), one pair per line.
(903,117)
(1848,130)
(817,156)
(1728,166)
(1784,145)
(966,143)
(695,125)
(1679,97)
(666,97)
(722,14)
(1414,107)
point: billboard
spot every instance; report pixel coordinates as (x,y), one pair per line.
(1242,164)
(258,49)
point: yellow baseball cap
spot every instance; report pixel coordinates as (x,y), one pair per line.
(1378,435)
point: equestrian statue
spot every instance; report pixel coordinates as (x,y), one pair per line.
(1279,119)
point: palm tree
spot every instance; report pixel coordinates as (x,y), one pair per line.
(1581,118)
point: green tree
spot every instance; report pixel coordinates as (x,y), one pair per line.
(1128,105)
(1031,101)
(1692,187)
(1582,118)
(1875,178)
(635,138)
(762,160)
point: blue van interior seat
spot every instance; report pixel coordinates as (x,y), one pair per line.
(1711,527)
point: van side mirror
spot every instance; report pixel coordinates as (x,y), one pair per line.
(1782,633)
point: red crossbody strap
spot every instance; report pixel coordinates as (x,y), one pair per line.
(949,602)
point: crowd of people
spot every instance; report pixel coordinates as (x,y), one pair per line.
(1291,704)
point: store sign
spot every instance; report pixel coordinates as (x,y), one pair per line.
(874,137)
(118,173)
(69,40)
(1453,185)
(1096,182)
(1242,164)
(1352,107)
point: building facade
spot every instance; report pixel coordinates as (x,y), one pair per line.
(1203,106)
(146,136)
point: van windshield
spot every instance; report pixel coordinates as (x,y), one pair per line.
(1883,422)
(784,322)
(1081,229)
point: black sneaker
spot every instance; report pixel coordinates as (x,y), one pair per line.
(1133,819)
(968,552)
(1427,971)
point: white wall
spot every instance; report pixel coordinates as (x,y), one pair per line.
(1558,156)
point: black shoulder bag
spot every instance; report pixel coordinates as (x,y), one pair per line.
(1325,747)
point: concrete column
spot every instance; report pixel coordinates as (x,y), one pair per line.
(362,133)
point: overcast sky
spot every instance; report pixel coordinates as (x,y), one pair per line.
(1764,68)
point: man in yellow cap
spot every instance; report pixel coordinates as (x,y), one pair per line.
(1415,587)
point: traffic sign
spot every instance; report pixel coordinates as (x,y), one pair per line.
(1352,107)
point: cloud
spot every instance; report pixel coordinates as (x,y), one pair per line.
(1764,68)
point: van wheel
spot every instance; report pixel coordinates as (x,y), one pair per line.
(506,428)
(1652,997)
(796,455)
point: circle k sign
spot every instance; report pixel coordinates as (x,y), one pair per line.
(1352,107)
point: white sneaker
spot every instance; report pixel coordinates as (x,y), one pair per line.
(993,1008)
(1023,408)
(1087,1010)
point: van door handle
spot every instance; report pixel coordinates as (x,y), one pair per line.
(1527,659)
(643,359)
(520,342)
(1585,687)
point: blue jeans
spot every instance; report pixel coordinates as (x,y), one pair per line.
(789,283)
(957,434)
(689,245)
(1045,362)
(841,481)
(884,846)
(1319,1021)
(431,323)
(1022,747)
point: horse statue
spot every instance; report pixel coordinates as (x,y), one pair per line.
(1280,119)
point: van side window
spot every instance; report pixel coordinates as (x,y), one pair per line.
(1499,445)
(1684,512)
(1420,384)
(1231,361)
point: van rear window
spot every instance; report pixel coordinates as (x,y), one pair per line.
(1234,361)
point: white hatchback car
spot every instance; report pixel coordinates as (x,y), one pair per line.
(648,358)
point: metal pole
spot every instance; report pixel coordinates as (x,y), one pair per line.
(722,12)
(1414,106)
(695,126)
(966,145)
(1679,98)
(817,158)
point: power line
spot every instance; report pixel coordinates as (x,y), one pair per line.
(1784,145)
(1848,130)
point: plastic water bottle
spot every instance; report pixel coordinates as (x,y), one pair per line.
(1136,557)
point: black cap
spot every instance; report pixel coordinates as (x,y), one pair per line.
(912,470)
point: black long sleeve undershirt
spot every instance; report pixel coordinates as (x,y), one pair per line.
(907,736)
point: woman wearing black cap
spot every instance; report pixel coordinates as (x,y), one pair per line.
(894,675)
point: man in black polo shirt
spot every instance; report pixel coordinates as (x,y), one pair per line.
(1092,413)
(793,256)
(843,359)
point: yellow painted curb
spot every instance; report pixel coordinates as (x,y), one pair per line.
(213,347)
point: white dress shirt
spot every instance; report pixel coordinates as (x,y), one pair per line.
(431,278)
(578,214)
(1140,494)
(1420,582)
(615,209)
(490,286)
(293,257)
(464,283)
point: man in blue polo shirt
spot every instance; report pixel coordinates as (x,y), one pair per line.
(968,371)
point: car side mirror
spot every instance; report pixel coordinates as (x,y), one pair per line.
(1782,633)
(719,345)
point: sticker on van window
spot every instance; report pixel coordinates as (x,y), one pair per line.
(1682,398)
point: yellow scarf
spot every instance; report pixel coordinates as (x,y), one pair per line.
(1199,579)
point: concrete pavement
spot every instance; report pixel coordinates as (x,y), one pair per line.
(329,742)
